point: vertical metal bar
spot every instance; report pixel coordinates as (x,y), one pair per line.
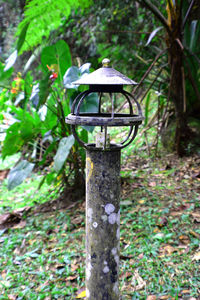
(105,137)
(102,224)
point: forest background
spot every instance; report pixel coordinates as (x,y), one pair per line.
(46,45)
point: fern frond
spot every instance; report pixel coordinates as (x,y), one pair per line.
(43,16)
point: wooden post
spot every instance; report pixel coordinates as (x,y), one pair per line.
(102,224)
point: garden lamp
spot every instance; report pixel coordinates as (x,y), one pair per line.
(103,173)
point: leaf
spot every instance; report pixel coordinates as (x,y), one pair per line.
(71,75)
(63,150)
(34,98)
(19,173)
(11,60)
(57,54)
(75,73)
(44,90)
(89,105)
(151,297)
(13,141)
(196,256)
(81,295)
(5,75)
(85,68)
(152,35)
(22,37)
(147,108)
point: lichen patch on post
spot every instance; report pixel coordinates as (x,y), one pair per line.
(95,224)
(90,212)
(88,270)
(116,288)
(104,218)
(106,269)
(112,218)
(109,208)
(87,293)
(116,257)
(114,251)
(118,233)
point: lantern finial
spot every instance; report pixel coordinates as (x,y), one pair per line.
(106,63)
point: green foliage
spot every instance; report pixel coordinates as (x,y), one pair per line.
(42,17)
(57,54)
(20,172)
(159,237)
(38,128)
(64,148)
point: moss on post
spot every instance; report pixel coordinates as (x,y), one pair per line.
(102,224)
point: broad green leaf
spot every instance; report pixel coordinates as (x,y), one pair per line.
(22,37)
(63,151)
(85,68)
(90,104)
(19,173)
(57,54)
(75,73)
(147,108)
(152,35)
(10,61)
(4,75)
(34,97)
(28,85)
(44,90)
(13,141)
(70,76)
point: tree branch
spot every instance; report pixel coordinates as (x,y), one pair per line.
(156,12)
(187,13)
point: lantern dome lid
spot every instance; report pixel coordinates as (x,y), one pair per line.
(105,76)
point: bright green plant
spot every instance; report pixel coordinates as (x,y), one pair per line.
(38,110)
(43,17)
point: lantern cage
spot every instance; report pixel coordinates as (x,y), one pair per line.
(109,82)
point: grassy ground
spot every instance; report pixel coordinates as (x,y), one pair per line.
(43,257)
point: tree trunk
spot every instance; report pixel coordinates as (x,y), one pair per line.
(177,93)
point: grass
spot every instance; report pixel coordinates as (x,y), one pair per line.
(160,238)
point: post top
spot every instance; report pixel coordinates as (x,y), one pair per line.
(105,76)
(106,62)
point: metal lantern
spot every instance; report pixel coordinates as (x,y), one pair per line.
(105,80)
(103,176)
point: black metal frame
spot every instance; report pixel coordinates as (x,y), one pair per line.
(105,119)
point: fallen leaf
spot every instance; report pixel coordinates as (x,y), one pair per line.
(77,220)
(156,230)
(168,249)
(151,297)
(184,239)
(185,291)
(12,297)
(71,278)
(82,295)
(153,183)
(21,224)
(141,255)
(195,234)
(137,281)
(141,201)
(162,222)
(196,256)
(3,174)
(196,216)
(128,274)
(165,297)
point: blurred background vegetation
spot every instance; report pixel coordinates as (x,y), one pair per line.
(46,45)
